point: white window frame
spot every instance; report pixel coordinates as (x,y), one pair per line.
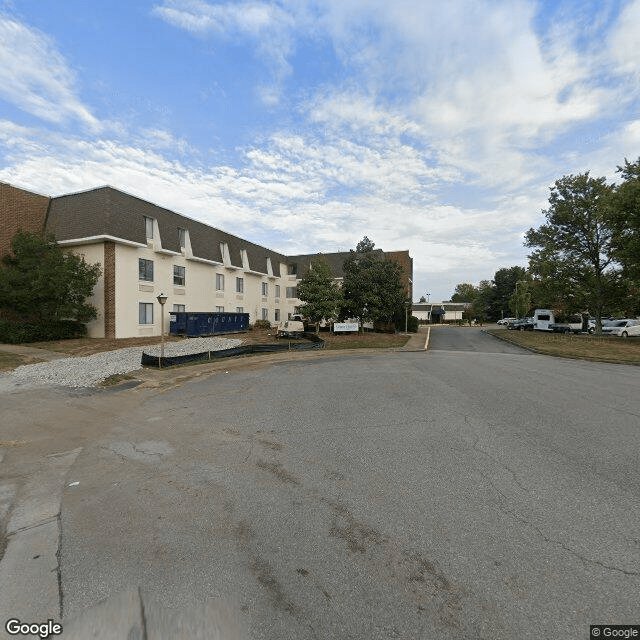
(219,281)
(265,313)
(219,309)
(179,277)
(145,318)
(144,272)
(179,308)
(239,285)
(148,227)
(265,289)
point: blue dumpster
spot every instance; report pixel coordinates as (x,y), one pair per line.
(206,323)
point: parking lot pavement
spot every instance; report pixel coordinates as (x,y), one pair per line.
(29,572)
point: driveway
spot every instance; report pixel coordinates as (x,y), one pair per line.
(447,494)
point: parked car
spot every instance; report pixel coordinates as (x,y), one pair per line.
(505,320)
(522,324)
(625,328)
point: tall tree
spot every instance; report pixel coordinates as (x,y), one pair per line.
(464,292)
(625,210)
(43,283)
(372,285)
(320,293)
(504,287)
(573,251)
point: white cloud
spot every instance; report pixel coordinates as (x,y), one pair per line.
(624,40)
(265,24)
(35,77)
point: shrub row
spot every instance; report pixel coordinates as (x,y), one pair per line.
(17,332)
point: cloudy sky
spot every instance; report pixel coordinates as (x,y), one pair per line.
(303,125)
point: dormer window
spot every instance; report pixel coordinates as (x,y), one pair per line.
(148,227)
(182,237)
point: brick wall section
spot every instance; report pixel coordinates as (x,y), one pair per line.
(19,209)
(109,290)
(406,262)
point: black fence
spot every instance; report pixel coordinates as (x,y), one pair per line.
(314,342)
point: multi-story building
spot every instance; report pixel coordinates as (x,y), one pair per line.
(145,250)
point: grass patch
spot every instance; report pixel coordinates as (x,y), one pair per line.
(333,341)
(599,348)
(116,379)
(9,361)
(89,346)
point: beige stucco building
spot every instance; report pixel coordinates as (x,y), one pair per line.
(145,250)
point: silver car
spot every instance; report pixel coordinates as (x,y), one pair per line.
(624,328)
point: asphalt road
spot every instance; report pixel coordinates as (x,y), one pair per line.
(477,493)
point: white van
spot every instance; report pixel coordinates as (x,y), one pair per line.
(542,318)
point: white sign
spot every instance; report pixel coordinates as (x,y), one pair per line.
(346,326)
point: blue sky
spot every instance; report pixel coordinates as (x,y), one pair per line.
(303,125)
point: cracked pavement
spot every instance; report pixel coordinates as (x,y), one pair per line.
(482,492)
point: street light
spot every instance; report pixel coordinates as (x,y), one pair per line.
(427,294)
(162,298)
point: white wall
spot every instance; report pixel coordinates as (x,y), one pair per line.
(198,294)
(94,254)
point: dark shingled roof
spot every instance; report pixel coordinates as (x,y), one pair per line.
(335,260)
(108,211)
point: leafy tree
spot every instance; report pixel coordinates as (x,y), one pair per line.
(504,287)
(464,292)
(482,304)
(625,215)
(372,286)
(520,300)
(319,292)
(573,253)
(43,283)
(422,299)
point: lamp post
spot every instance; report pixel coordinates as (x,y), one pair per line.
(162,298)
(427,294)
(406,316)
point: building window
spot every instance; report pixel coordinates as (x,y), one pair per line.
(145,270)
(148,227)
(265,288)
(182,237)
(239,285)
(178,275)
(179,308)
(277,315)
(292,292)
(277,291)
(219,309)
(145,312)
(265,314)
(292,269)
(219,281)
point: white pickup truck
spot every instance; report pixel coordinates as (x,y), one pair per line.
(293,328)
(549,320)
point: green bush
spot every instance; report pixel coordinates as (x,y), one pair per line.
(19,332)
(412,324)
(262,324)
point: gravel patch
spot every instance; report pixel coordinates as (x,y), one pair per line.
(90,371)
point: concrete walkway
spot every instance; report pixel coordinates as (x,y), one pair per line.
(418,341)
